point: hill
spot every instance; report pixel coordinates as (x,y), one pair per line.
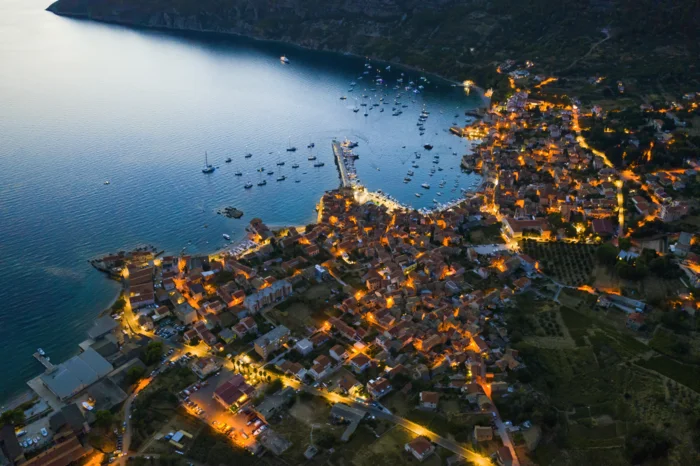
(651,44)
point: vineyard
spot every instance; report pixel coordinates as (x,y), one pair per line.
(568,263)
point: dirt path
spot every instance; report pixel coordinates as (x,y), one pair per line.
(593,47)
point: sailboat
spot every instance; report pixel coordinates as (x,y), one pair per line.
(290,147)
(207,168)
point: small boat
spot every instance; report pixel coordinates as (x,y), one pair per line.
(418,194)
(297,181)
(319,164)
(238,174)
(262,183)
(280,163)
(406,180)
(427,146)
(290,147)
(41,352)
(342,97)
(284,59)
(312,157)
(296,165)
(270,172)
(226,237)
(281,178)
(248,155)
(207,168)
(248,185)
(228,160)
(410,173)
(355,109)
(106,182)
(425,186)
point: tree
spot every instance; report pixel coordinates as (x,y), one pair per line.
(153,353)
(12,416)
(646,444)
(119,304)
(134,374)
(324,439)
(624,243)
(104,418)
(607,254)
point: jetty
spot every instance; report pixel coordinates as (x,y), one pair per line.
(45,362)
(340,163)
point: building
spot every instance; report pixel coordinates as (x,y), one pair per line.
(483,434)
(378,387)
(420,448)
(429,400)
(74,375)
(274,293)
(504,457)
(359,363)
(271,341)
(338,353)
(233,392)
(185,313)
(321,367)
(304,346)
(203,367)
(10,451)
(66,450)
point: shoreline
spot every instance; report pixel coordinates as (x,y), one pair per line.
(485,101)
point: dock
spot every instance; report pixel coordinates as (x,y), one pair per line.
(45,362)
(340,163)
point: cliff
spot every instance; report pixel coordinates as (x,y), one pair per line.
(459,39)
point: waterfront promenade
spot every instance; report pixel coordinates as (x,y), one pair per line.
(340,162)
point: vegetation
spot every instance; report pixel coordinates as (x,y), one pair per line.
(211,447)
(153,353)
(569,263)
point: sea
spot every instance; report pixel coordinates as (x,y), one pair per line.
(84,103)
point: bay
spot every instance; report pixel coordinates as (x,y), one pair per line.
(83,102)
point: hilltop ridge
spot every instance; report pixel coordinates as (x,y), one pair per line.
(650,43)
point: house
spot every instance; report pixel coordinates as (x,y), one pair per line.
(348,384)
(321,367)
(603,227)
(234,391)
(504,457)
(185,313)
(483,433)
(227,335)
(359,363)
(420,448)
(338,353)
(203,367)
(378,387)
(429,400)
(293,368)
(521,284)
(161,313)
(271,341)
(635,320)
(246,326)
(304,346)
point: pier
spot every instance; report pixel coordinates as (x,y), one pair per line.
(340,163)
(45,362)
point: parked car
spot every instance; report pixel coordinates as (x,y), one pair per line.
(44,432)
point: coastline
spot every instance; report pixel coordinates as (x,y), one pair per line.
(485,101)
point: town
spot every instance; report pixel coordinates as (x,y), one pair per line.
(385,334)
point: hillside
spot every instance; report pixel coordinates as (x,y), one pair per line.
(653,44)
